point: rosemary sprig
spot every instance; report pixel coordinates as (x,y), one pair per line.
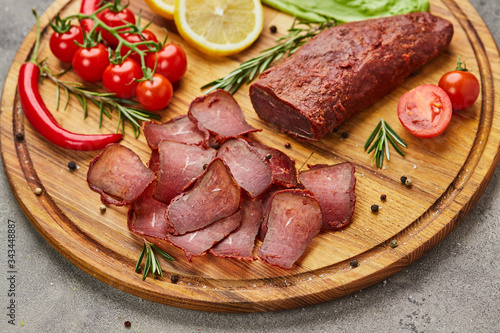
(287,45)
(383,133)
(152,262)
(106,102)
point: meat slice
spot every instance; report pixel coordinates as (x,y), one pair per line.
(344,69)
(197,242)
(293,219)
(215,195)
(180,129)
(282,166)
(146,215)
(219,113)
(334,188)
(119,175)
(180,164)
(247,167)
(240,243)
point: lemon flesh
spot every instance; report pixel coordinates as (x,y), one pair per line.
(164,8)
(219,27)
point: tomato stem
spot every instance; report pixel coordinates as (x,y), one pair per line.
(460,67)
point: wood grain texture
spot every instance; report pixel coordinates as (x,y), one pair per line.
(449,174)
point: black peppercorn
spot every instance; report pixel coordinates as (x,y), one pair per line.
(383,197)
(19,137)
(268,156)
(71,165)
(374,208)
(127,324)
(273,29)
(394,243)
(403,179)
(205,166)
(288,145)
(345,135)
(174,279)
(354,263)
(216,145)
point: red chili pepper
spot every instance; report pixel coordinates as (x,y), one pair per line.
(43,121)
(88,7)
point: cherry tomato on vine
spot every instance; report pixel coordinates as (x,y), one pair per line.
(462,87)
(425,111)
(62,44)
(170,61)
(90,63)
(155,94)
(147,35)
(121,78)
(114,19)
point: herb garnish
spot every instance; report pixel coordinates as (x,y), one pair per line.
(151,260)
(106,102)
(250,69)
(383,134)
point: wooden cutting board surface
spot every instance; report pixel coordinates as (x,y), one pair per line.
(449,174)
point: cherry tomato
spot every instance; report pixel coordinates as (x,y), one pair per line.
(155,94)
(147,35)
(63,44)
(114,19)
(425,111)
(462,87)
(120,78)
(170,62)
(90,63)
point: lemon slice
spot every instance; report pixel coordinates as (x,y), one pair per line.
(163,8)
(219,27)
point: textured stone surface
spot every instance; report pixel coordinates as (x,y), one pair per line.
(454,288)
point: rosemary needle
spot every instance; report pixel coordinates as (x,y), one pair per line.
(287,45)
(381,136)
(152,262)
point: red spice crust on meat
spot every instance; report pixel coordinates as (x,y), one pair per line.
(344,69)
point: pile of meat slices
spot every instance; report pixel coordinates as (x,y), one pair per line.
(209,187)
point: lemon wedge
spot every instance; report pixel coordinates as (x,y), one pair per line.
(163,8)
(219,27)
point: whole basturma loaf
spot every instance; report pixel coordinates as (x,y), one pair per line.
(344,69)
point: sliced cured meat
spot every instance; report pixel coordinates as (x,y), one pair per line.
(197,242)
(215,195)
(240,243)
(219,113)
(180,129)
(119,175)
(282,166)
(247,167)
(154,161)
(179,165)
(334,188)
(345,69)
(293,218)
(146,215)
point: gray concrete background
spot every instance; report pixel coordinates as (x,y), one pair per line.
(454,288)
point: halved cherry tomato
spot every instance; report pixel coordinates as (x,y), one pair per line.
(147,35)
(90,63)
(121,78)
(155,94)
(63,44)
(425,111)
(114,19)
(170,62)
(462,87)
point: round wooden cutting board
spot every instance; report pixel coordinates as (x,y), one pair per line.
(449,174)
